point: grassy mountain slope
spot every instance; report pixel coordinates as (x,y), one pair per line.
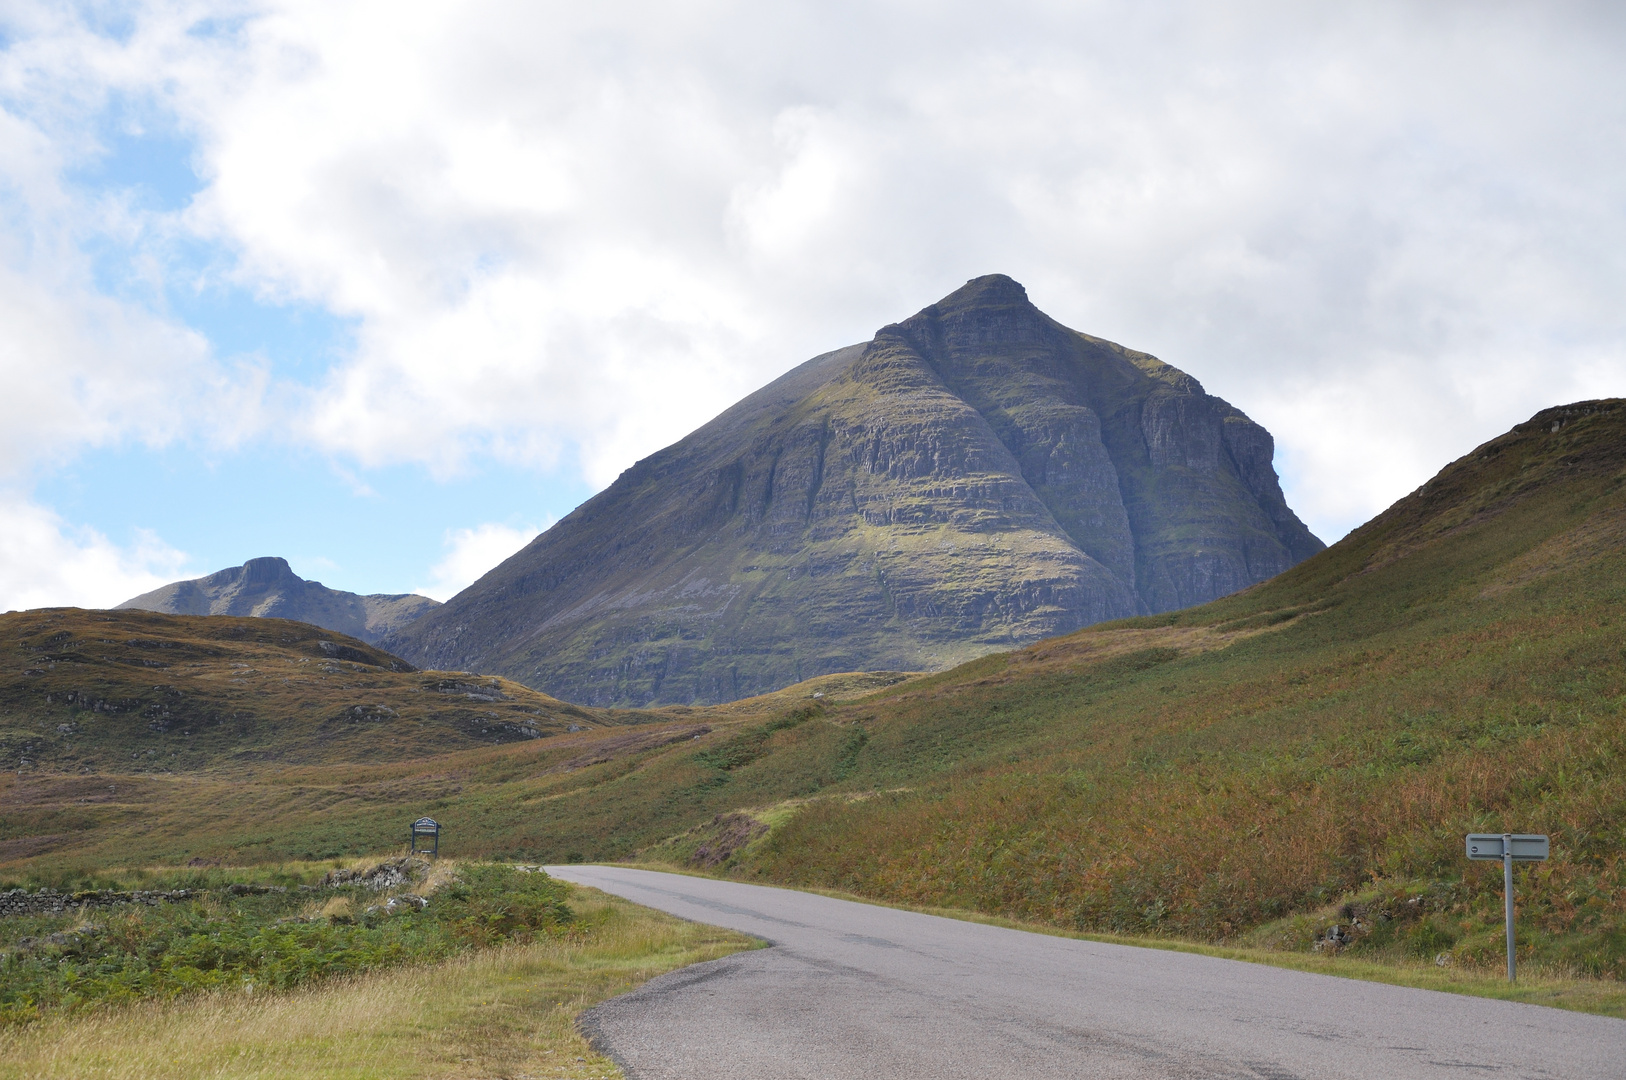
(974,478)
(1305,753)
(1457,665)
(165,737)
(128,691)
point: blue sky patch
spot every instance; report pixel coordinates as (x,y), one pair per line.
(222,510)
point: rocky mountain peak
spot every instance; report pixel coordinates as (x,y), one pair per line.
(974,477)
(266,570)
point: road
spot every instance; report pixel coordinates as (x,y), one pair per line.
(851,990)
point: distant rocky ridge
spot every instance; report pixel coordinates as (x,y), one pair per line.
(269,588)
(972,479)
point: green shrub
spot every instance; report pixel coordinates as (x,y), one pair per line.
(222,941)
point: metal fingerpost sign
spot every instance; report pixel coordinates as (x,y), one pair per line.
(1508,848)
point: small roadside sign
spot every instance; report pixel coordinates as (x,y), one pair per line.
(1507,849)
(1527,847)
(426,829)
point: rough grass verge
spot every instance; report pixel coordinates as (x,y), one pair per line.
(247,938)
(508,1011)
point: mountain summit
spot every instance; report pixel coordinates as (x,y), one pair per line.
(973,478)
(268,587)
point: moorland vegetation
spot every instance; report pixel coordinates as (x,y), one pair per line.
(488,985)
(274,928)
(90,692)
(1303,755)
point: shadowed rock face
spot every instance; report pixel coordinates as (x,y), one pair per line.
(269,588)
(972,479)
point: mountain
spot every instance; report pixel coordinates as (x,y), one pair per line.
(268,588)
(973,478)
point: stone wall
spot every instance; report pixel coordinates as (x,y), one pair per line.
(52,902)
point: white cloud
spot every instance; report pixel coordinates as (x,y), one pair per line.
(574,232)
(86,358)
(801,194)
(561,226)
(471,553)
(84,370)
(44,561)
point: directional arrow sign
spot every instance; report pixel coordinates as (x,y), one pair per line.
(1527,847)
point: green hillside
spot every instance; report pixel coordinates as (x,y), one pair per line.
(134,691)
(1305,753)
(137,735)
(1457,665)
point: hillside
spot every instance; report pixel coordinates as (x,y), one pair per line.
(117,691)
(268,588)
(1303,754)
(974,478)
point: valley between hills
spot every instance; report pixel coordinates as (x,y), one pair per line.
(1302,754)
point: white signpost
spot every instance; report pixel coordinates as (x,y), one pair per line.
(1507,848)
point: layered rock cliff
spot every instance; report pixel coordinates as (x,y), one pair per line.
(973,478)
(269,588)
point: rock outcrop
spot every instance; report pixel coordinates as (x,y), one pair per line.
(269,588)
(972,479)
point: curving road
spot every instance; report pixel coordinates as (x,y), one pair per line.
(851,990)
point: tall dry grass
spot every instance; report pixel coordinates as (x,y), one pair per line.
(507,1012)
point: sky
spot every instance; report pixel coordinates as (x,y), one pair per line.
(388,288)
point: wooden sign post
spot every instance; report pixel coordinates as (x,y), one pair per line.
(1508,848)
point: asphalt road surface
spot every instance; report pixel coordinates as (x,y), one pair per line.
(851,990)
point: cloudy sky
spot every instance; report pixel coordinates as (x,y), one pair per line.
(385,288)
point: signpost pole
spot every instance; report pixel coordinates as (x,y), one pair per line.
(1507,897)
(1532,847)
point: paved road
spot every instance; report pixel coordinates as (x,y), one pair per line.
(855,991)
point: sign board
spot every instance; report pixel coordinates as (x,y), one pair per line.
(429,829)
(1527,847)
